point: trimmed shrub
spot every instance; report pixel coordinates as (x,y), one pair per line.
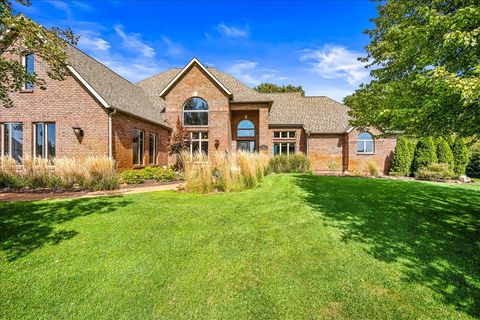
(435,171)
(473,168)
(402,157)
(296,163)
(132,176)
(444,153)
(372,168)
(460,156)
(137,176)
(425,154)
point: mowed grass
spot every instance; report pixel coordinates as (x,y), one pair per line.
(296,247)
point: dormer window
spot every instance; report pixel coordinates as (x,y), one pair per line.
(29,64)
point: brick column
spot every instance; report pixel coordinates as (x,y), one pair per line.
(263,130)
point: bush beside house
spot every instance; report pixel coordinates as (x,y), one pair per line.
(460,154)
(425,154)
(403,157)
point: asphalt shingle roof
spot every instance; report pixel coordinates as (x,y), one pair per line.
(315,114)
(118,92)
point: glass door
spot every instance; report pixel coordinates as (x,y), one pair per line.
(246,145)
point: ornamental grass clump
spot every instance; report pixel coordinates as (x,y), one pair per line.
(8,175)
(198,172)
(228,175)
(37,172)
(71,172)
(100,173)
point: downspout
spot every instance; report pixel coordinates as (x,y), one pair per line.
(308,138)
(110,133)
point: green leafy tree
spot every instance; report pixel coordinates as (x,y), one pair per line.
(460,155)
(271,87)
(46,44)
(444,153)
(473,168)
(402,157)
(425,154)
(424,58)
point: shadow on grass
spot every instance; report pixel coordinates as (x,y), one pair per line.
(27,226)
(433,231)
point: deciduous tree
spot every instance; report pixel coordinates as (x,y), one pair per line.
(20,35)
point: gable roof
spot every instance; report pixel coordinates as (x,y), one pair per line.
(111,89)
(182,72)
(315,114)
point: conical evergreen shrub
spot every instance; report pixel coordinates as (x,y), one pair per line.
(444,153)
(425,154)
(402,157)
(460,156)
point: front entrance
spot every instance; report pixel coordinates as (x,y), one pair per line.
(246,145)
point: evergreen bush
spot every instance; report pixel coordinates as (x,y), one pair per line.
(460,156)
(425,154)
(444,153)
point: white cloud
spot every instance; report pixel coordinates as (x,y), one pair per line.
(233,32)
(333,62)
(91,41)
(242,71)
(133,42)
(250,73)
(172,48)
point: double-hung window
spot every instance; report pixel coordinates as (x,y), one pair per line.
(12,140)
(152,148)
(44,140)
(138,146)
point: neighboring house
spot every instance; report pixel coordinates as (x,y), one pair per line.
(96,111)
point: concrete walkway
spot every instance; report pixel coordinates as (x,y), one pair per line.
(31,196)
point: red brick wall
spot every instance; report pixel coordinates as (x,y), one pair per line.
(68,104)
(326,152)
(196,83)
(382,156)
(122,128)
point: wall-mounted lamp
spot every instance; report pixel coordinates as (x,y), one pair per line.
(78,132)
(217,143)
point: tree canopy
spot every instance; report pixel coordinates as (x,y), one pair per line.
(267,87)
(424,58)
(47,44)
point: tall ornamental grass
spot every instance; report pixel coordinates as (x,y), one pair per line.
(233,171)
(92,173)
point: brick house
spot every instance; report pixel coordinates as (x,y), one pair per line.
(96,111)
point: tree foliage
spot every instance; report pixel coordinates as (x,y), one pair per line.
(271,87)
(473,168)
(425,154)
(444,153)
(424,58)
(460,155)
(402,157)
(180,139)
(20,35)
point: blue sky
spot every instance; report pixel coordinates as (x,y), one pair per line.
(310,43)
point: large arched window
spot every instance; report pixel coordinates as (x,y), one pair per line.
(195,112)
(365,143)
(245,129)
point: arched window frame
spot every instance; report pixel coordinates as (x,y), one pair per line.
(246,130)
(365,145)
(195,111)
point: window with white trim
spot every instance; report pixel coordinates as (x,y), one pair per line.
(29,65)
(284,134)
(198,142)
(365,143)
(152,148)
(245,129)
(44,141)
(138,146)
(195,112)
(12,140)
(283,148)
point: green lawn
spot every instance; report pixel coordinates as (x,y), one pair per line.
(297,247)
